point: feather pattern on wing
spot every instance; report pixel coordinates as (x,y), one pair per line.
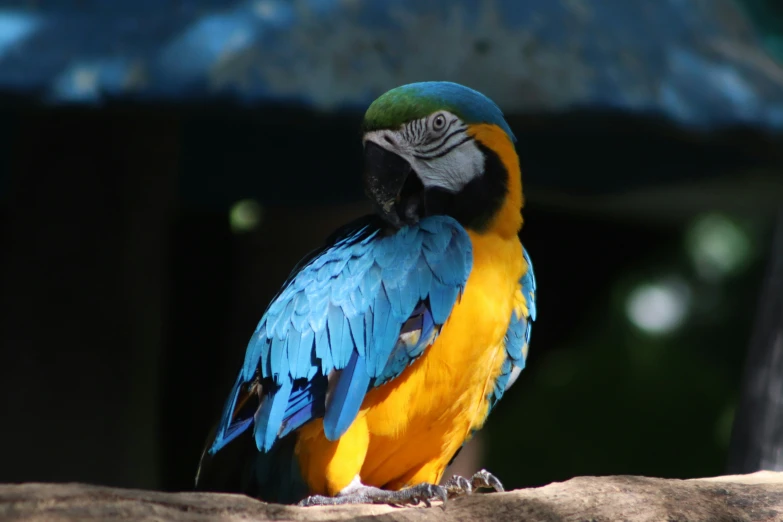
(366,306)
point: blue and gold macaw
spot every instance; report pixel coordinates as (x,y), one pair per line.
(386,349)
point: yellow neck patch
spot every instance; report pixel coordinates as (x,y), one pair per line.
(508,220)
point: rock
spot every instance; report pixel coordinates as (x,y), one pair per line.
(756,497)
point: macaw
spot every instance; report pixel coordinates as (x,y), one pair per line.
(387,348)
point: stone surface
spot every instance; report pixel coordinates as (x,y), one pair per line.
(757,497)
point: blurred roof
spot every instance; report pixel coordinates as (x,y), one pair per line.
(698,62)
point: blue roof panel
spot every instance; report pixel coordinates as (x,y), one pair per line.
(699,63)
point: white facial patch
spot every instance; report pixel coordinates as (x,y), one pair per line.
(452,171)
(437,147)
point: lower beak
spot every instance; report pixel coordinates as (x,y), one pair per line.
(392,186)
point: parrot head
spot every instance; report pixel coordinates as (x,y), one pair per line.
(437,148)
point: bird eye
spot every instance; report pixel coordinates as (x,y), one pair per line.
(438,122)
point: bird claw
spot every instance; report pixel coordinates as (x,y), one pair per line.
(319,500)
(483,479)
(412,496)
(458,485)
(423,493)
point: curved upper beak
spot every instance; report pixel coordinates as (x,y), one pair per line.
(386,175)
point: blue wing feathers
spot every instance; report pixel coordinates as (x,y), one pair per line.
(230,428)
(305,401)
(419,328)
(427,333)
(253,354)
(517,335)
(305,360)
(358,335)
(322,351)
(529,286)
(335,322)
(347,398)
(368,330)
(441,300)
(292,354)
(347,307)
(385,331)
(424,275)
(349,340)
(271,415)
(279,362)
(395,298)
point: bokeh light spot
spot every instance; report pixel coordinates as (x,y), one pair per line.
(659,308)
(718,246)
(245,216)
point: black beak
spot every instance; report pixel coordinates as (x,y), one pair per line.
(392,186)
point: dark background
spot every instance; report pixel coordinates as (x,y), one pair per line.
(141,242)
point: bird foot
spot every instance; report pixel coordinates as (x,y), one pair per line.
(457,485)
(370,495)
